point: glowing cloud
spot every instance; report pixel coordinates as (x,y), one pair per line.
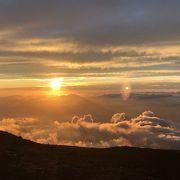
(146,130)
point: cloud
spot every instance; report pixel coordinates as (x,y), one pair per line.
(146,130)
(85,118)
(118,117)
(94,22)
(89,38)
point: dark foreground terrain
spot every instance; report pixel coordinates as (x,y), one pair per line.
(25,160)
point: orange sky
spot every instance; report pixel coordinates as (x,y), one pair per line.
(96,48)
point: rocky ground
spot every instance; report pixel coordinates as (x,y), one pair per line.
(25,160)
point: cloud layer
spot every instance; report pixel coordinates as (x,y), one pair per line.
(93,22)
(146,130)
(104,40)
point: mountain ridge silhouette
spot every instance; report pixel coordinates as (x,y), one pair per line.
(24,159)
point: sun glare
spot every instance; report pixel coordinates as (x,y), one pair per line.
(125,91)
(56,83)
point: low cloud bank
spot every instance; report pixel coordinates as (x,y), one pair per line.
(146,130)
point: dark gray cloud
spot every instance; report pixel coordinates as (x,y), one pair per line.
(89,56)
(94,22)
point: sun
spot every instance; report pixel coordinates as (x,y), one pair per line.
(56,83)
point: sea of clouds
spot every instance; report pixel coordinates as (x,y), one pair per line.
(146,130)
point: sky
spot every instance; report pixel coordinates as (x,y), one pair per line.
(105,49)
(95,46)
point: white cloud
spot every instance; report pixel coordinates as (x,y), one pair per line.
(146,130)
(118,117)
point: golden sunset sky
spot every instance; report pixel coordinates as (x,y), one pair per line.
(95,46)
